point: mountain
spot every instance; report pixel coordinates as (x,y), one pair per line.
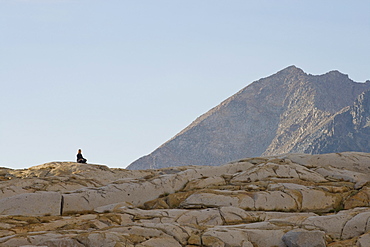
(347,130)
(290,111)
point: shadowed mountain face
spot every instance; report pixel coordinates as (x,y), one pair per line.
(289,111)
(346,130)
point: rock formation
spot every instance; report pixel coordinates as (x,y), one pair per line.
(288,112)
(286,200)
(346,130)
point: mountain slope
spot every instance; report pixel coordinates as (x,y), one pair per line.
(309,106)
(347,130)
(270,116)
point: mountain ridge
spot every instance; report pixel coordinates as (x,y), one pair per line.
(270,116)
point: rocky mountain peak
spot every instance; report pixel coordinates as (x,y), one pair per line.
(335,73)
(291,69)
(274,115)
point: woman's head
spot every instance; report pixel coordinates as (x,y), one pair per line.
(79,151)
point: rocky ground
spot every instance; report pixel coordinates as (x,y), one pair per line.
(289,200)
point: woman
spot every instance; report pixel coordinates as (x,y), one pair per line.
(80,158)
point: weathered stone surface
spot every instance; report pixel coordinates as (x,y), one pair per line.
(199,200)
(234,215)
(274,201)
(358,199)
(332,224)
(161,242)
(342,174)
(284,217)
(303,238)
(358,161)
(41,203)
(113,207)
(356,226)
(239,236)
(364,240)
(65,176)
(136,193)
(264,171)
(205,182)
(209,217)
(316,200)
(270,201)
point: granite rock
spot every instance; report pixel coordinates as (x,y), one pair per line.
(285,200)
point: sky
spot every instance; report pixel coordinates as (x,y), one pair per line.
(119,78)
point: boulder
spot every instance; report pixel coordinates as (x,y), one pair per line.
(239,236)
(202,183)
(210,217)
(356,226)
(40,203)
(343,174)
(274,201)
(359,198)
(364,240)
(332,224)
(234,215)
(304,238)
(160,242)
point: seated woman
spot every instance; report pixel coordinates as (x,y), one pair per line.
(80,158)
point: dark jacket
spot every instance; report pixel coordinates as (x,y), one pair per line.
(79,156)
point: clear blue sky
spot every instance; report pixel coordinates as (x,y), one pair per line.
(118,78)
